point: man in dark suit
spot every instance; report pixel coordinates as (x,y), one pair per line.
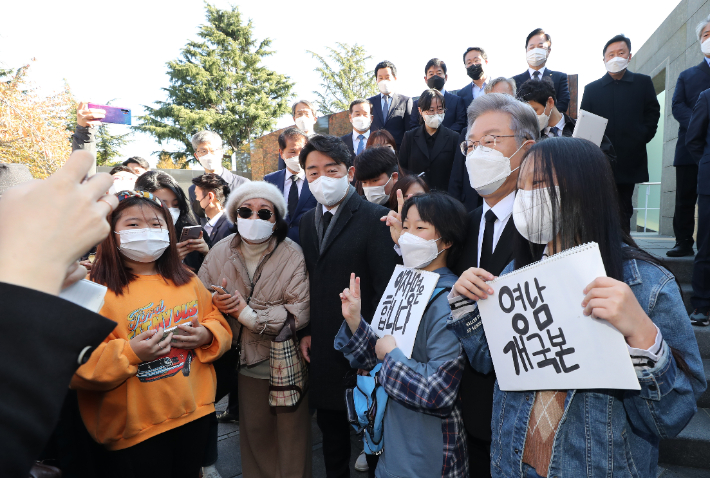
(342,235)
(697,140)
(211,193)
(475,60)
(360,114)
(435,78)
(292,180)
(540,95)
(209,152)
(430,148)
(538,46)
(628,100)
(390,110)
(305,117)
(489,246)
(690,84)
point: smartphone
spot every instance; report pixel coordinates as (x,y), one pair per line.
(174,329)
(219,288)
(190,232)
(114,114)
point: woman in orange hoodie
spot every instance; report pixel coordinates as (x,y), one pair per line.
(146,392)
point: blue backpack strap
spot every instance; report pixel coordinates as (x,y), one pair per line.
(435,295)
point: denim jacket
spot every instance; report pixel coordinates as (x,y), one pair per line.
(602,433)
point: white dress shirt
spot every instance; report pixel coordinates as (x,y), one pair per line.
(532,72)
(478,91)
(300,177)
(503,210)
(332,210)
(560,125)
(211,223)
(356,140)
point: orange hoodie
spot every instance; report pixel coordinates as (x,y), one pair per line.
(124,401)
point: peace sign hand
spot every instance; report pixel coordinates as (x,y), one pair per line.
(350,299)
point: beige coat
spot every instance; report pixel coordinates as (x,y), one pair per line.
(281,286)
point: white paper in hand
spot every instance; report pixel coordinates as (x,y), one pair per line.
(540,339)
(590,127)
(402,306)
(85,293)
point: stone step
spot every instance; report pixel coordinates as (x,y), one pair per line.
(704,400)
(691,448)
(702,335)
(687,291)
(674,471)
(681,267)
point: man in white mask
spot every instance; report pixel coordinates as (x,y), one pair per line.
(501,130)
(304,116)
(628,100)
(292,180)
(360,114)
(210,153)
(342,235)
(390,110)
(538,46)
(378,171)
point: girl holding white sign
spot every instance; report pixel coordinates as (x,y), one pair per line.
(566,197)
(422,422)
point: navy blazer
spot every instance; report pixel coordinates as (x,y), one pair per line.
(466,94)
(348,140)
(459,183)
(455,117)
(690,84)
(561,86)
(397,118)
(697,140)
(306,202)
(222,229)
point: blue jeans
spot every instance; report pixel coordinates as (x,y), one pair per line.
(530,471)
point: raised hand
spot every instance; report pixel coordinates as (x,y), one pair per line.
(350,300)
(472,284)
(394,219)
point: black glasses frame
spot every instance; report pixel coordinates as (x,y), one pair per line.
(246,212)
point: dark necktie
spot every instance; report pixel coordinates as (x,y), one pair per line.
(326,221)
(487,244)
(360,144)
(293,196)
(536,75)
(385,108)
(554,130)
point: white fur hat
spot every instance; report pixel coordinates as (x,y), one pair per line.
(255,189)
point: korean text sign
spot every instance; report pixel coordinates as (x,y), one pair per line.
(540,339)
(402,306)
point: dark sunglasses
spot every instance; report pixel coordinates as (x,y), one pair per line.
(246,213)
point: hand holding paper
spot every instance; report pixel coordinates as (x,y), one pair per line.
(350,299)
(472,284)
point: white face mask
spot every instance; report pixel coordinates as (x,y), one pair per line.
(433,121)
(487,170)
(144,245)
(254,230)
(328,191)
(211,161)
(536,56)
(543,120)
(361,123)
(175,213)
(417,252)
(305,123)
(377,194)
(121,185)
(386,87)
(705,47)
(532,214)
(617,64)
(293,164)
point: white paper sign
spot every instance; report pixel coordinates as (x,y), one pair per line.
(85,293)
(402,306)
(540,339)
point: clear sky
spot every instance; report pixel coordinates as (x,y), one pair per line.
(118,50)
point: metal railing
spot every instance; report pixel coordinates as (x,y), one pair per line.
(645,209)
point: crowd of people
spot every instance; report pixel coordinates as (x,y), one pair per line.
(211,291)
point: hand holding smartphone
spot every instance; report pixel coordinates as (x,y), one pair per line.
(190,232)
(113,114)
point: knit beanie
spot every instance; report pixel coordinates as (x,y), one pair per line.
(255,189)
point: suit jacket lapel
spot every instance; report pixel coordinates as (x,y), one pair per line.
(377,105)
(304,197)
(438,145)
(703,66)
(393,105)
(421,142)
(475,230)
(344,216)
(504,248)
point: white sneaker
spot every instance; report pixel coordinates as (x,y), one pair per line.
(210,472)
(361,462)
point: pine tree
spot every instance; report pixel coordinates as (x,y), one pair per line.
(347,80)
(219,84)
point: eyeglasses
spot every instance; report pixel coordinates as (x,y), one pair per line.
(202,151)
(487,143)
(440,111)
(263,214)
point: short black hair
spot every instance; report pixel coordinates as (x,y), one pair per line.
(537,90)
(120,168)
(290,133)
(215,184)
(535,32)
(359,102)
(435,62)
(386,64)
(331,146)
(619,37)
(373,162)
(446,214)
(139,161)
(478,49)
(426,99)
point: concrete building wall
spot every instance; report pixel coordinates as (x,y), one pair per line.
(672,48)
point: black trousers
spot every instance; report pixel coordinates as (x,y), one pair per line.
(686,187)
(211,452)
(176,453)
(701,268)
(336,442)
(479,457)
(626,207)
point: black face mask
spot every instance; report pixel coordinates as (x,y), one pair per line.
(475,72)
(197,208)
(436,82)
